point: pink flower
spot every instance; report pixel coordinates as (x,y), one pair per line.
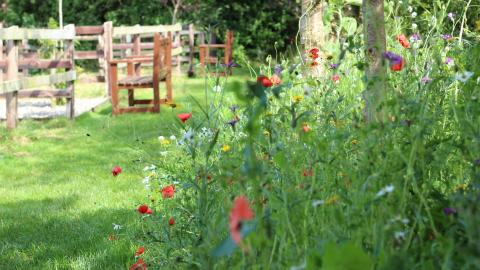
(116,170)
(336,78)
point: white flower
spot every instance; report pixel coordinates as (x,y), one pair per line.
(307,91)
(463,77)
(163,153)
(173,138)
(410,8)
(414,14)
(389,188)
(405,221)
(299,267)
(161,138)
(384,191)
(217,88)
(414,26)
(146,182)
(116,227)
(316,203)
(399,235)
(149,168)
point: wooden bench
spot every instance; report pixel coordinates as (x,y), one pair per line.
(162,72)
(205,57)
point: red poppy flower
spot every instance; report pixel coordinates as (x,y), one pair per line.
(336,78)
(184,117)
(171,221)
(139,251)
(168,191)
(143,209)
(241,211)
(265,81)
(309,173)
(149,211)
(116,171)
(397,65)
(112,237)
(140,264)
(313,53)
(403,40)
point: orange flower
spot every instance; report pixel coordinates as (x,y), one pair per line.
(275,79)
(241,211)
(140,264)
(306,128)
(403,40)
(168,191)
(139,251)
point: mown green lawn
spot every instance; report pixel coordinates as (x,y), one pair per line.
(58,198)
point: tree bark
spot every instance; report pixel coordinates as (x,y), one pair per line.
(313,32)
(375,47)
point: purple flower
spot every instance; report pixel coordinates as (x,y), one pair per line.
(277,69)
(392,58)
(476,162)
(449,61)
(415,37)
(232,122)
(451,15)
(233,108)
(446,37)
(449,210)
(426,79)
(333,66)
(230,64)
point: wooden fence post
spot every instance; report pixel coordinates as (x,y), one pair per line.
(69,53)
(191,46)
(177,43)
(107,54)
(12,74)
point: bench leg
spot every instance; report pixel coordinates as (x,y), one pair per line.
(156,98)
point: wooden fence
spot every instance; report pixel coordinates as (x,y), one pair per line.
(17,57)
(15,84)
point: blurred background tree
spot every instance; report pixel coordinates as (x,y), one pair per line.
(258,24)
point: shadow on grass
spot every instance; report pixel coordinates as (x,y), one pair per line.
(49,234)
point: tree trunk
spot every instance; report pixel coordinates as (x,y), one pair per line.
(375,46)
(312,32)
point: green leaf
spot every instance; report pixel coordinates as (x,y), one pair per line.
(228,246)
(345,257)
(349,24)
